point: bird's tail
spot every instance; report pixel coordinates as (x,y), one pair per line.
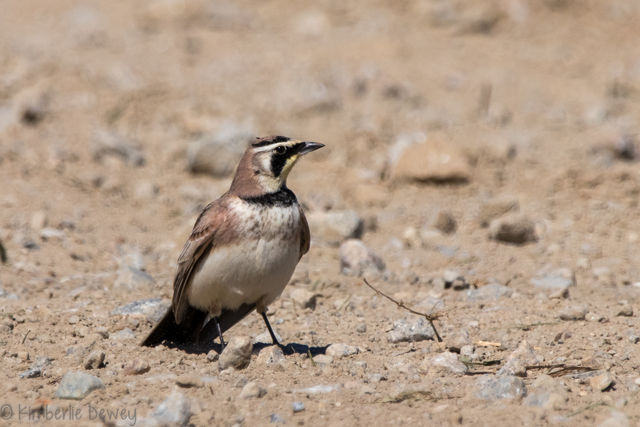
(168,330)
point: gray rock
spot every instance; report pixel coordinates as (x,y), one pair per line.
(448,362)
(494,208)
(297,407)
(108,143)
(333,227)
(252,390)
(276,419)
(303,298)
(557,280)
(404,331)
(514,228)
(489,387)
(174,410)
(37,368)
(573,312)
(94,360)
(517,361)
(123,334)
(488,292)
(357,259)
(153,309)
(341,350)
(546,392)
(7,295)
(237,353)
(77,385)
(218,154)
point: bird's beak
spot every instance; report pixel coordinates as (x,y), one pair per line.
(308,147)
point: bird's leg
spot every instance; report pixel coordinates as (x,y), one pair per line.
(273,336)
(215,319)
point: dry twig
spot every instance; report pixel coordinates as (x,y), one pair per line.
(430,318)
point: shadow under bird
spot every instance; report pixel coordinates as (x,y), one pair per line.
(243,248)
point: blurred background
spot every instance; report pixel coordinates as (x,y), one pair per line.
(494,138)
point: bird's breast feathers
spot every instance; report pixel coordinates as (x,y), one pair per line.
(256,265)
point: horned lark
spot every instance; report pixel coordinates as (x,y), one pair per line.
(243,248)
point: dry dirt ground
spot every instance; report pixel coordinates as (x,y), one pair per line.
(102,103)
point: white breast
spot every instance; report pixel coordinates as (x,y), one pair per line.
(255,269)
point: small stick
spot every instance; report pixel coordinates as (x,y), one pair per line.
(25,336)
(313,362)
(487,344)
(400,304)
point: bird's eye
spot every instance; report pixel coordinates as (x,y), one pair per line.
(280,149)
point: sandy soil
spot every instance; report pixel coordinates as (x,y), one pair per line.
(100,102)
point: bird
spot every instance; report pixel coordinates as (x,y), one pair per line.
(243,249)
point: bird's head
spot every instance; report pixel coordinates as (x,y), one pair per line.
(268,161)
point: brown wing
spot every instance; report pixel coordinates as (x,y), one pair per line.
(212,228)
(305,235)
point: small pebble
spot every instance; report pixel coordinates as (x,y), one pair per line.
(276,419)
(357,259)
(189,381)
(625,311)
(303,298)
(237,353)
(341,350)
(513,228)
(601,382)
(297,407)
(94,360)
(403,331)
(573,312)
(136,367)
(252,390)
